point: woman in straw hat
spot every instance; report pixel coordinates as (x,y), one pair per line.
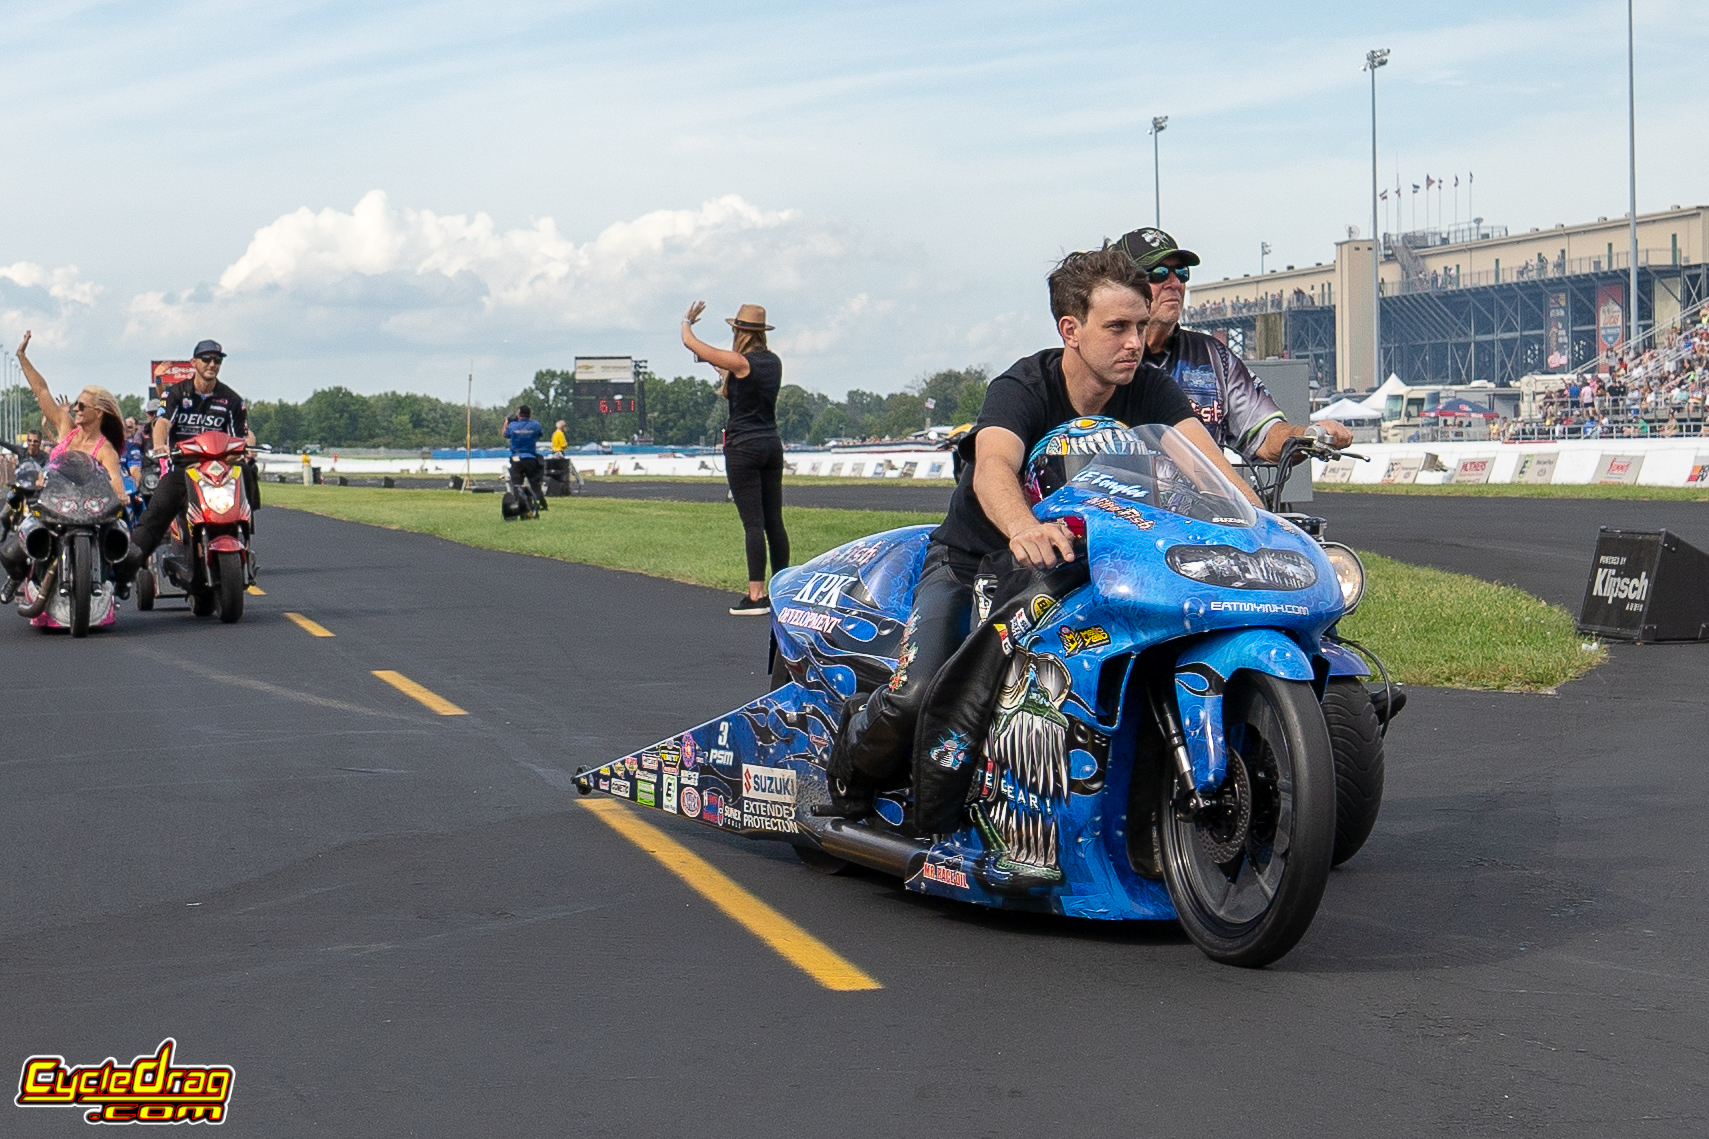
(753,450)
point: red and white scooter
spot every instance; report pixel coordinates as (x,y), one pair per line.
(206,554)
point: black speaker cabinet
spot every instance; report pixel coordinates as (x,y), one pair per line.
(1646,585)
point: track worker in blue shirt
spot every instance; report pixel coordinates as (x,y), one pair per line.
(1229,399)
(1101,303)
(522,431)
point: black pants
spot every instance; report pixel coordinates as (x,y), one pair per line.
(12,557)
(167,504)
(878,746)
(754,467)
(528,468)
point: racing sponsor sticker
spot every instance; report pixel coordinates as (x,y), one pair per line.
(1077,640)
(621,788)
(807,619)
(1259,607)
(944,875)
(690,802)
(772,784)
(669,788)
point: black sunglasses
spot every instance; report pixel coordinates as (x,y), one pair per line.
(1160,273)
(211,358)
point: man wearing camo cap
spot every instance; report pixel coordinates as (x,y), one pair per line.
(1231,401)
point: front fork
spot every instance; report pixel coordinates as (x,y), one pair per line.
(1188,710)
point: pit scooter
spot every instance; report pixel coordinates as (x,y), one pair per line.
(206,554)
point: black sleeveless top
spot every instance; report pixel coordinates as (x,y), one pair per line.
(753,398)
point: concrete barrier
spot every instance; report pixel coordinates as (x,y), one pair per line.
(1574,462)
(911,464)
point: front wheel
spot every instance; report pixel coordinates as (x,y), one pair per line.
(82,583)
(144,589)
(1247,872)
(230,588)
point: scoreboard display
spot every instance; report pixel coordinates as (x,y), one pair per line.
(604,397)
(604,385)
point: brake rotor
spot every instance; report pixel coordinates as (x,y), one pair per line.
(1224,826)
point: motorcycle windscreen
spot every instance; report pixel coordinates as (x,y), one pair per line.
(76,489)
(1157,466)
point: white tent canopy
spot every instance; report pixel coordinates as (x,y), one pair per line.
(1391,386)
(1348,411)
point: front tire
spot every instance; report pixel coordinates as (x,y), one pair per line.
(82,583)
(1357,739)
(143,588)
(230,589)
(1246,875)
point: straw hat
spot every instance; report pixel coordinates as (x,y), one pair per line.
(750,317)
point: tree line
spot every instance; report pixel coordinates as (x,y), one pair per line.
(685,411)
(682,412)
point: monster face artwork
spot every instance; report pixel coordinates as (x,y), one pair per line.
(1026,779)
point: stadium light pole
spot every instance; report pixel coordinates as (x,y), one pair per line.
(1632,181)
(1158,125)
(1375,58)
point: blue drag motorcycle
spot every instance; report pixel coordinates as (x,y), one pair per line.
(1166,728)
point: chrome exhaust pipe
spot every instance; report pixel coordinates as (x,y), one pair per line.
(874,849)
(37,539)
(35,610)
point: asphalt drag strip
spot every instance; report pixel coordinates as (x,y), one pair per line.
(408,924)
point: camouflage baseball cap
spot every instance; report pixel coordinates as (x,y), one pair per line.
(1149,247)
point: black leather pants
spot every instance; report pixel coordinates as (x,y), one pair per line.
(878,746)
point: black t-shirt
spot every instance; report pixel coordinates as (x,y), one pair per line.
(190,413)
(753,398)
(1029,399)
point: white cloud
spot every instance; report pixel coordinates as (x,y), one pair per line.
(416,284)
(49,303)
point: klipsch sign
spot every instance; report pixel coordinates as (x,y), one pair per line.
(1646,586)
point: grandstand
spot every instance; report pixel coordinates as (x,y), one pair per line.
(1467,304)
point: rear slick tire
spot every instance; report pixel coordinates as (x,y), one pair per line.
(1356,736)
(1254,907)
(230,589)
(82,583)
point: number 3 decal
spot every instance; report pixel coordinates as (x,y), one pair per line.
(724,733)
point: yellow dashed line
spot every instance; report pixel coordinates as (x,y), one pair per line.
(313,628)
(256,591)
(800,948)
(410,688)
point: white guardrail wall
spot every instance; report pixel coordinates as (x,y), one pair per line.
(922,464)
(1576,462)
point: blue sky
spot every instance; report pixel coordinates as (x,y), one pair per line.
(375,194)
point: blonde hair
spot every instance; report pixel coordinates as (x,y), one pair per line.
(749,340)
(112,419)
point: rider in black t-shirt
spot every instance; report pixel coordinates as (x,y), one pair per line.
(201,403)
(1100,302)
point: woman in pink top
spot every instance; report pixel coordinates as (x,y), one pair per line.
(92,423)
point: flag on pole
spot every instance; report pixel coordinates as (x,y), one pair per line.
(930,404)
(1456,181)
(1468,177)
(1384,196)
(1428,182)
(1415,187)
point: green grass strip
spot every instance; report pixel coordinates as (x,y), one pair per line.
(1523,490)
(695,542)
(1453,631)
(1430,627)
